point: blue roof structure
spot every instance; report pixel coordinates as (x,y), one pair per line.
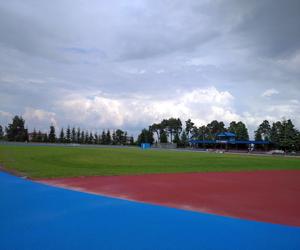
(229,142)
(225,134)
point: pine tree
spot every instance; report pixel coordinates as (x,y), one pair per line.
(73,135)
(45,138)
(62,136)
(52,136)
(108,137)
(1,133)
(39,137)
(68,135)
(78,133)
(184,139)
(34,136)
(103,137)
(96,139)
(86,137)
(82,138)
(91,138)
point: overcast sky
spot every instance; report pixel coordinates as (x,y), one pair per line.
(129,63)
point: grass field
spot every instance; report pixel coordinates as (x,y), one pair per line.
(43,162)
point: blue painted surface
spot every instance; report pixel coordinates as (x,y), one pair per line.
(145,145)
(36,216)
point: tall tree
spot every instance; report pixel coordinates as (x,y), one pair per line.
(174,126)
(96,139)
(114,138)
(103,137)
(240,130)
(184,139)
(108,137)
(86,137)
(45,138)
(265,130)
(188,127)
(91,138)
(146,136)
(73,135)
(275,134)
(39,137)
(68,135)
(16,130)
(52,136)
(163,137)
(288,135)
(62,136)
(214,128)
(82,138)
(119,136)
(1,133)
(156,128)
(78,133)
(34,136)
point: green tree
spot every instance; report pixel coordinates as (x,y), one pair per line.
(119,136)
(45,138)
(184,139)
(39,137)
(288,135)
(34,136)
(103,137)
(156,128)
(62,136)
(176,139)
(16,130)
(86,137)
(52,136)
(78,133)
(214,128)
(188,127)
(68,135)
(82,138)
(265,130)
(146,136)
(114,138)
(275,134)
(240,130)
(73,135)
(1,133)
(163,137)
(108,137)
(91,138)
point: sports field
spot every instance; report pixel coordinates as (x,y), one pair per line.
(52,162)
(128,198)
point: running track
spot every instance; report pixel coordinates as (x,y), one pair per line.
(37,216)
(269,196)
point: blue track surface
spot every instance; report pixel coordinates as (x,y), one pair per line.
(36,216)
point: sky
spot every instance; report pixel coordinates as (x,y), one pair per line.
(129,63)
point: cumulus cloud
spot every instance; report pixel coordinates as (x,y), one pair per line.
(201,105)
(39,119)
(270,92)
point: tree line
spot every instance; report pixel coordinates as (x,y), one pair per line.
(281,134)
(16,131)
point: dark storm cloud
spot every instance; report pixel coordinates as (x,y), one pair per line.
(271,27)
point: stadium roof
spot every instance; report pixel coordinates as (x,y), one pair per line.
(226,134)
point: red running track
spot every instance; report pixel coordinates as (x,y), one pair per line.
(269,196)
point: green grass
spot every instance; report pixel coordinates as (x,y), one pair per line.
(41,162)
